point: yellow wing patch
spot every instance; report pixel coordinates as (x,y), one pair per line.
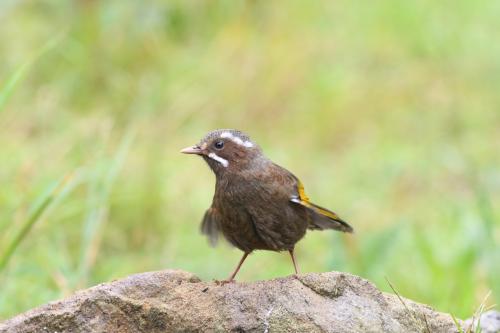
(302,194)
(304,200)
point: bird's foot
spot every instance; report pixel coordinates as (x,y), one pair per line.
(223,282)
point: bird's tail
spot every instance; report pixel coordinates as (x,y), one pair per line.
(322,218)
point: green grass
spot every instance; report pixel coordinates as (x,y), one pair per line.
(47,199)
(16,77)
(475,325)
(387,111)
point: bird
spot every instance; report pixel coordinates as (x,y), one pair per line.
(257,204)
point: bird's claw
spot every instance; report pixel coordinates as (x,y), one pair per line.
(223,282)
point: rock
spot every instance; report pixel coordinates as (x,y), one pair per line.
(177,301)
(489,322)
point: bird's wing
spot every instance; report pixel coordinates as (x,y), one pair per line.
(210,226)
(320,218)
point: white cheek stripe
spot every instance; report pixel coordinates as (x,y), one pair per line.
(235,139)
(219,159)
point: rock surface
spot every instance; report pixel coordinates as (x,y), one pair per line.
(177,301)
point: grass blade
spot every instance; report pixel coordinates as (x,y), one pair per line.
(411,314)
(100,191)
(53,194)
(459,327)
(16,77)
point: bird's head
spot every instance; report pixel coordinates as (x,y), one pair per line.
(226,151)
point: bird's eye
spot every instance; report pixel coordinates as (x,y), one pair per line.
(219,144)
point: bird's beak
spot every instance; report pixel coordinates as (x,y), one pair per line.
(192,150)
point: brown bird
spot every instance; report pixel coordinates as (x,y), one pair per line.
(257,204)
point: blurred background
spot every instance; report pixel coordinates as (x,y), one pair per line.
(388,111)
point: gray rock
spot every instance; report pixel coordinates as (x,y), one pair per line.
(489,322)
(177,301)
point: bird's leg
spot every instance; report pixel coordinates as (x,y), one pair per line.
(231,278)
(294,262)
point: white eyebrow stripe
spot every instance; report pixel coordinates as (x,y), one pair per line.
(219,159)
(235,139)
